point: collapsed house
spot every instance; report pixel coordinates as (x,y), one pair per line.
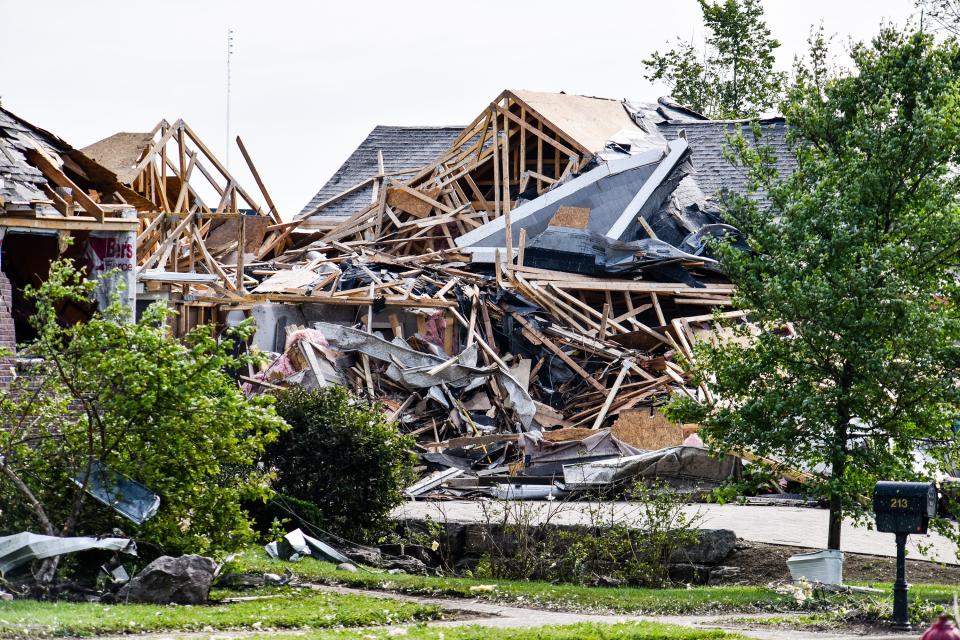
(523,301)
(158,208)
(520,293)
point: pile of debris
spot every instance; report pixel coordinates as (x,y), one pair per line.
(522,304)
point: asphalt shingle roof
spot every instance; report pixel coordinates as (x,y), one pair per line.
(708,139)
(410,148)
(20,181)
(404,149)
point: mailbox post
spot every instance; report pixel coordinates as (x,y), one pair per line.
(903,508)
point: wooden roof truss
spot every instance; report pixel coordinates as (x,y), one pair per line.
(174,230)
(508,150)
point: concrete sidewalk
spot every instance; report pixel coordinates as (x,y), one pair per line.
(792,526)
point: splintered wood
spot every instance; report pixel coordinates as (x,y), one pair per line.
(462,353)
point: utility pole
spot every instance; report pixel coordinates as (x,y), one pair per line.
(229,54)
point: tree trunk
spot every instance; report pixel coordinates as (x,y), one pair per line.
(836,512)
(838,457)
(47,570)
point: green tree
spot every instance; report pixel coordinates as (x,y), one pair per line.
(130,396)
(734,76)
(344,456)
(858,252)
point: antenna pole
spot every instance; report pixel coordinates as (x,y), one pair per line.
(229,54)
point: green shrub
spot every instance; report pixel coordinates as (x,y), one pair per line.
(130,396)
(289,511)
(342,455)
(635,545)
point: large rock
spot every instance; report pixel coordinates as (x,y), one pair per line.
(407,564)
(713,547)
(364,555)
(689,573)
(183,580)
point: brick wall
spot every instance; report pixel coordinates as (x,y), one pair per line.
(7,338)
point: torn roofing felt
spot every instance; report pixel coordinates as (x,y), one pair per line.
(404,149)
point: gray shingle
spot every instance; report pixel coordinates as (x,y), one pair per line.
(410,148)
(19,180)
(404,149)
(708,139)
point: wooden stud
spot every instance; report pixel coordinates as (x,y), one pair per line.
(522,246)
(656,307)
(505,176)
(627,365)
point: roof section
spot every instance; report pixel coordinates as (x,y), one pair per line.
(707,140)
(120,153)
(405,149)
(589,121)
(20,181)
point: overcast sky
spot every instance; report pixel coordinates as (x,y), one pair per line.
(310,79)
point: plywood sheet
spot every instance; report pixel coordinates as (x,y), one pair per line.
(224,236)
(647,429)
(588,121)
(120,153)
(282,281)
(571,217)
(571,433)
(399,199)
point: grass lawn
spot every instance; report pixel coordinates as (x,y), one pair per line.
(629,631)
(289,608)
(940,593)
(698,600)
(927,601)
(330,616)
(540,594)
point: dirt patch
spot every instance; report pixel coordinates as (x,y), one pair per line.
(761,563)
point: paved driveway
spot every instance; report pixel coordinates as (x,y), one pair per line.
(793,526)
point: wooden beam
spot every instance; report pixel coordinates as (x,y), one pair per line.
(551,141)
(505,177)
(627,364)
(58,203)
(73,223)
(273,213)
(223,170)
(167,243)
(241,242)
(49,168)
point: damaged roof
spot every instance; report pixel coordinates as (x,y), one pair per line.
(405,149)
(120,153)
(590,121)
(587,120)
(708,139)
(20,181)
(25,184)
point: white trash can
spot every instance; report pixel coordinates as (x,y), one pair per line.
(818,566)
